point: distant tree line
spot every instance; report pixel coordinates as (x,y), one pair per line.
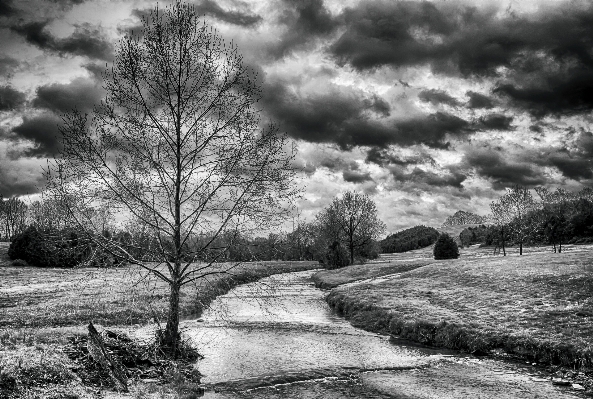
(407,240)
(555,218)
(343,233)
(462,217)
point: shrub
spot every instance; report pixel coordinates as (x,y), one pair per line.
(446,248)
(337,256)
(51,248)
(19,262)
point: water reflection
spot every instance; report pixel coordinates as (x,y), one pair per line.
(282,324)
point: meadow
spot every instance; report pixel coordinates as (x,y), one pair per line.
(42,309)
(37,302)
(538,306)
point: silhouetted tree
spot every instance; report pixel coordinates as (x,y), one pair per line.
(177,145)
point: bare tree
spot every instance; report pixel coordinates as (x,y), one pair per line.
(352,220)
(13,216)
(178,145)
(518,203)
(501,218)
(556,206)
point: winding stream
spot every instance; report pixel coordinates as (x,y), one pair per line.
(277,338)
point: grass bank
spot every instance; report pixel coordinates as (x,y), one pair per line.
(538,306)
(40,308)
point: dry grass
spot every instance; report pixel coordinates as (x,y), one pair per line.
(33,297)
(41,307)
(540,299)
(334,278)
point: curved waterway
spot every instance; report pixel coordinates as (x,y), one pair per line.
(277,338)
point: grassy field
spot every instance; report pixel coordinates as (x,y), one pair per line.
(538,306)
(40,308)
(33,298)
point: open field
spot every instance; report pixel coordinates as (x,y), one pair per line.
(538,306)
(40,308)
(32,297)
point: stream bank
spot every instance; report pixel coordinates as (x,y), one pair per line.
(278,338)
(530,309)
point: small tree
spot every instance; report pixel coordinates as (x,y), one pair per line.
(13,215)
(177,146)
(445,248)
(518,203)
(554,214)
(501,219)
(352,221)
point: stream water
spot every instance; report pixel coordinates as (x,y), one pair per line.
(277,338)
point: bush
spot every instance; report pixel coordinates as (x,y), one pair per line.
(446,248)
(410,239)
(50,248)
(19,262)
(337,256)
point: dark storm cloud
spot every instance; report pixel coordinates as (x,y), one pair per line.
(584,144)
(336,117)
(12,184)
(10,98)
(304,20)
(377,104)
(547,54)
(210,7)
(572,167)
(382,157)
(566,92)
(431,130)
(437,97)
(492,165)
(574,162)
(344,118)
(426,178)
(85,41)
(352,176)
(42,130)
(6,8)
(495,122)
(81,94)
(535,128)
(7,65)
(96,70)
(477,100)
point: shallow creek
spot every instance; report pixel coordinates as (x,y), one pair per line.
(277,338)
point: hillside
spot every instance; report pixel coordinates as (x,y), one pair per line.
(455,230)
(461,218)
(409,239)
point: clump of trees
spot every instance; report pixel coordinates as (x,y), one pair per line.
(350,225)
(473,235)
(13,217)
(445,248)
(407,240)
(518,218)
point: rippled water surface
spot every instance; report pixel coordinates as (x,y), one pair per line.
(277,338)
(283,324)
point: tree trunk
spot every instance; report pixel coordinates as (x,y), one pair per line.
(170,337)
(504,252)
(521,248)
(560,247)
(109,364)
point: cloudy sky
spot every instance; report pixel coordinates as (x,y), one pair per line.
(427,106)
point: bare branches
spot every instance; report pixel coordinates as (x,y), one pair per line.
(177,148)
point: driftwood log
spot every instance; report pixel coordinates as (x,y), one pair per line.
(110,364)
